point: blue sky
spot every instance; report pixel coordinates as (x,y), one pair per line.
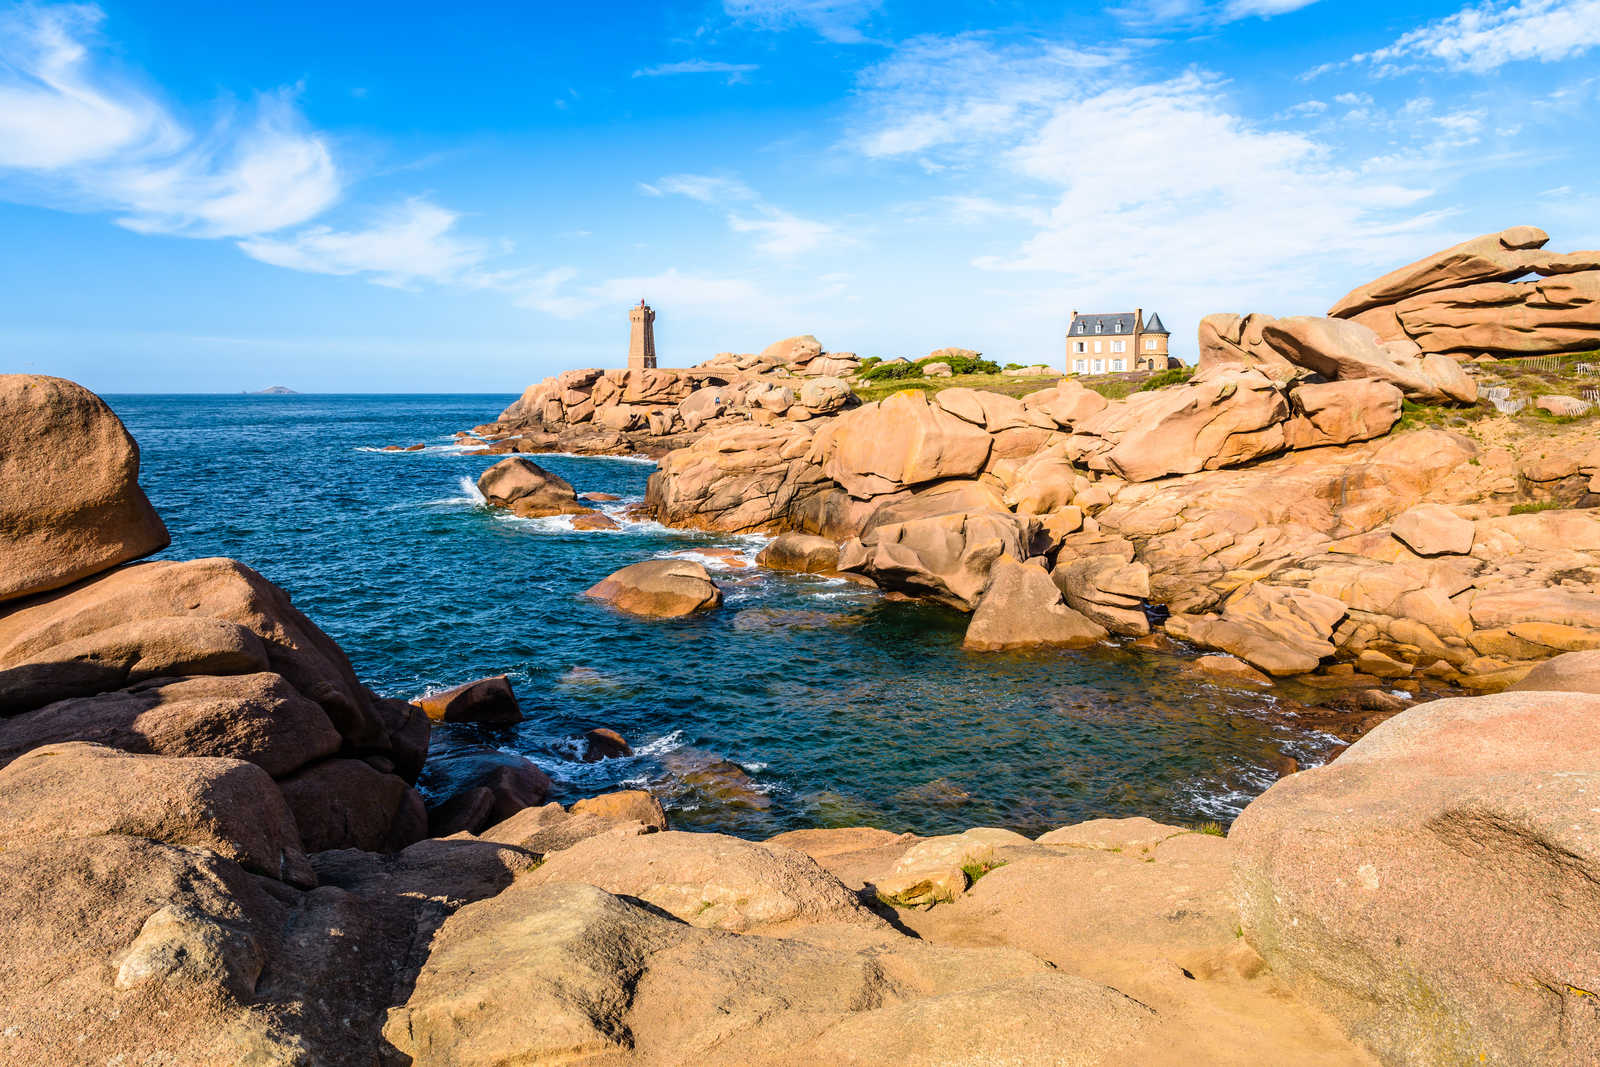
(406,197)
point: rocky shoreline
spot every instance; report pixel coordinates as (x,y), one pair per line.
(213,850)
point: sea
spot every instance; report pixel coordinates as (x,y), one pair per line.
(803,701)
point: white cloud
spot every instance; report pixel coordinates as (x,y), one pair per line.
(1158,185)
(1169,166)
(1485,36)
(943,92)
(1188,14)
(734,71)
(833,20)
(74,134)
(781,232)
(410,243)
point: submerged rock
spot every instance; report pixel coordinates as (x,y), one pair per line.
(802,553)
(485,700)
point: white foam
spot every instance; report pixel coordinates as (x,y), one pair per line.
(666,743)
(579,455)
(470,492)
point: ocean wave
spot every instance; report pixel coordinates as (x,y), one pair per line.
(451,449)
(579,455)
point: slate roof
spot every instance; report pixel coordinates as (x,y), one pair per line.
(1102,325)
(1118,325)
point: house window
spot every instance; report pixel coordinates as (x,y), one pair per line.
(1119,346)
(1080,346)
(1080,366)
(1099,327)
(1097,346)
(1149,344)
(1117,365)
(1099,366)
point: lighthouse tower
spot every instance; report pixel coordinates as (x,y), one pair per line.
(642,340)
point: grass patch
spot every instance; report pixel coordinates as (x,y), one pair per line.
(1536,506)
(1211,829)
(1007,385)
(1113,388)
(974,871)
(1170,376)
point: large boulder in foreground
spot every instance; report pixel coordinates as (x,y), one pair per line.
(548,973)
(78,790)
(711,880)
(659,589)
(1437,888)
(71,505)
(167,619)
(528,490)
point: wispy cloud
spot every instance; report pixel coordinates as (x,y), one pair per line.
(1486,36)
(941,93)
(840,21)
(1189,14)
(1160,182)
(77,135)
(413,242)
(781,233)
(735,72)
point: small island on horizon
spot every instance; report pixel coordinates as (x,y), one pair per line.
(273,390)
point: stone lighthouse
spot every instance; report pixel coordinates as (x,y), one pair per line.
(642,341)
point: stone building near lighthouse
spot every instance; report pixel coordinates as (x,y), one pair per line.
(642,339)
(1124,341)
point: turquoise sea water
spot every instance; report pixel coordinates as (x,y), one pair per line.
(802,702)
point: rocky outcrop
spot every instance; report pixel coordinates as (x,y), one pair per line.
(1229,417)
(939,543)
(659,409)
(1108,589)
(738,479)
(1466,300)
(607,978)
(1495,257)
(72,506)
(901,442)
(1281,631)
(1339,350)
(1435,888)
(1022,608)
(528,490)
(659,589)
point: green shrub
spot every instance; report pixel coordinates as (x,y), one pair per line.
(880,371)
(885,372)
